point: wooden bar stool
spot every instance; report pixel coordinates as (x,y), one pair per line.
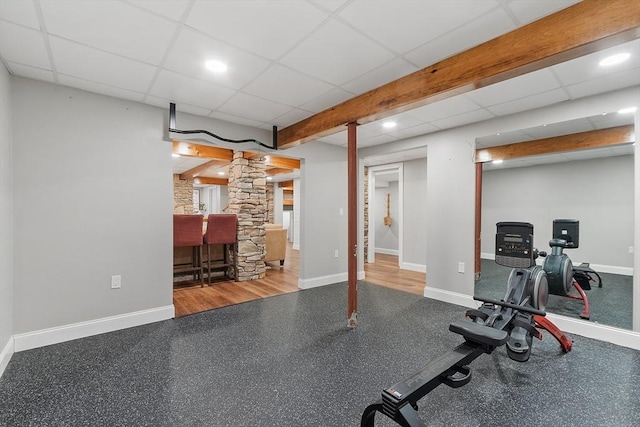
(222,230)
(187,232)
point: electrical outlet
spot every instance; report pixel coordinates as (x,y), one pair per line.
(630,249)
(116,282)
(335,254)
(461,267)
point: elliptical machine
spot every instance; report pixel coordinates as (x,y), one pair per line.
(511,321)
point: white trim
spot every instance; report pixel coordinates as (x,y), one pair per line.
(600,268)
(326,280)
(5,355)
(295,247)
(420,268)
(386,251)
(74,331)
(371,196)
(597,331)
(450,297)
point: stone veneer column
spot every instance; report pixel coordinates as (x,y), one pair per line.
(248,200)
(182,195)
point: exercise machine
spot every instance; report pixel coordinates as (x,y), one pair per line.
(512,321)
(563,276)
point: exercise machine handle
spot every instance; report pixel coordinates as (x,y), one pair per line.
(513,306)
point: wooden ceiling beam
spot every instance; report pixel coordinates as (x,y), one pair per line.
(581,29)
(287,185)
(204,151)
(192,173)
(558,144)
(278,171)
(210,181)
(282,162)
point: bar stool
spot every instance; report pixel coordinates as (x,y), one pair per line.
(187,232)
(222,230)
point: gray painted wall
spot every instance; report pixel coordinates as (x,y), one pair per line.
(6,212)
(597,192)
(414,242)
(323,192)
(93,197)
(387,236)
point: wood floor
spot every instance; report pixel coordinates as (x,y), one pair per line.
(190,298)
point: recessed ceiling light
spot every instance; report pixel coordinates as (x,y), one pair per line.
(216,66)
(627,110)
(269,178)
(221,173)
(497,162)
(175,155)
(614,59)
(389,125)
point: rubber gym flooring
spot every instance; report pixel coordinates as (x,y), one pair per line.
(289,360)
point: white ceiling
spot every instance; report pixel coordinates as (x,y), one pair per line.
(287,59)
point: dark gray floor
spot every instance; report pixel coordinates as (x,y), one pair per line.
(290,361)
(610,305)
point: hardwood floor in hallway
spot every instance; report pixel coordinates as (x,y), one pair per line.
(191,298)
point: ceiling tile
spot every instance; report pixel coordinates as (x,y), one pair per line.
(290,117)
(286,86)
(100,67)
(23,45)
(527,11)
(606,83)
(171,9)
(31,72)
(261,109)
(561,128)
(20,12)
(181,107)
(337,54)
(112,26)
(331,5)
(530,102)
(375,140)
(478,31)
(422,129)
(402,121)
(234,119)
(192,49)
(388,72)
(519,87)
(179,88)
(586,68)
(463,119)
(99,88)
(268,30)
(396,24)
(502,139)
(328,99)
(445,108)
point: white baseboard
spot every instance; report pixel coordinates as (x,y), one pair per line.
(600,268)
(386,251)
(326,280)
(597,331)
(450,297)
(5,355)
(420,268)
(74,331)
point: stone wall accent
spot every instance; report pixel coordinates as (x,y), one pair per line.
(366,214)
(248,200)
(270,202)
(182,195)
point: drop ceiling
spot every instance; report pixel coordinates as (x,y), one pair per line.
(287,60)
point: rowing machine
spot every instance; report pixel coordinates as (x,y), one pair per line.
(511,321)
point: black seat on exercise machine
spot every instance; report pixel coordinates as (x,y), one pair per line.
(482,334)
